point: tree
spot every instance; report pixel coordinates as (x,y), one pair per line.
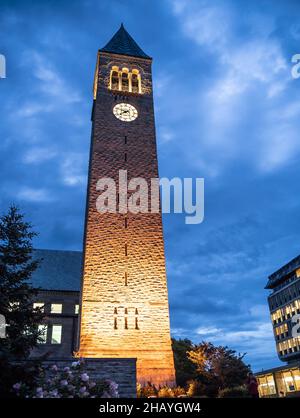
(184,367)
(16,293)
(218,367)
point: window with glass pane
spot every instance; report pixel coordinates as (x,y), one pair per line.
(56,334)
(39,305)
(296,375)
(43,333)
(289,381)
(13,305)
(56,308)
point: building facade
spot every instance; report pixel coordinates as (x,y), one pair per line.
(124,299)
(58,282)
(284,305)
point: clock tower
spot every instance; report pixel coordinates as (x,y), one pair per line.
(124,299)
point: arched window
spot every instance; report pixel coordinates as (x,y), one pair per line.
(125,81)
(114,80)
(135,83)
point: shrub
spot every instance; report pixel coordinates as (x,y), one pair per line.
(165,392)
(69,382)
(195,388)
(235,392)
(150,391)
(146,391)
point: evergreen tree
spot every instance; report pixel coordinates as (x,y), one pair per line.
(16,294)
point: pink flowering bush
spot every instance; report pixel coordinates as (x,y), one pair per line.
(69,382)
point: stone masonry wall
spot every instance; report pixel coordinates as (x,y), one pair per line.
(125,312)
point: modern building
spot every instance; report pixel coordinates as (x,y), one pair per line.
(284,305)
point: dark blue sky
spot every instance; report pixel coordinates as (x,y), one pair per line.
(227,109)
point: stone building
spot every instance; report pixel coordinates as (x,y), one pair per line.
(121,303)
(124,298)
(58,280)
(284,305)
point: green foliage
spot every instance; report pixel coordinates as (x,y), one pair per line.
(150,391)
(218,367)
(185,369)
(234,392)
(67,382)
(146,391)
(165,392)
(205,369)
(196,388)
(16,293)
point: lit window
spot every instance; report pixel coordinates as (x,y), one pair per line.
(13,305)
(42,333)
(56,334)
(37,305)
(56,308)
(76,309)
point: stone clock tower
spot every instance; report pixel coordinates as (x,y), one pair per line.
(124,299)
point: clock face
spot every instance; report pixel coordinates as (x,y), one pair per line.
(125,112)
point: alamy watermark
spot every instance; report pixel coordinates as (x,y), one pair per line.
(3,326)
(139,195)
(296,326)
(295,71)
(2,66)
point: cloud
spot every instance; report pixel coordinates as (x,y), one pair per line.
(51,83)
(35,195)
(38,155)
(207,331)
(254,335)
(73,170)
(249,72)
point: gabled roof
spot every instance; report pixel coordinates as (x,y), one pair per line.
(122,43)
(58,270)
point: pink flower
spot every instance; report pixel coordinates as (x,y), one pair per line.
(84,377)
(54,368)
(53,393)
(17,386)
(75,364)
(82,389)
(64,382)
(39,390)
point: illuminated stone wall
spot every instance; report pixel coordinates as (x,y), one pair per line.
(125,311)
